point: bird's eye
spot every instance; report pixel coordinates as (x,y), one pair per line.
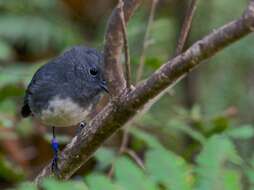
(93,72)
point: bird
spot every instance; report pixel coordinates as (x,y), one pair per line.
(63,91)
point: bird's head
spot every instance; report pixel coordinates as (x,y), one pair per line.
(88,67)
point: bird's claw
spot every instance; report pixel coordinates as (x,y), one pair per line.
(81,126)
(54,166)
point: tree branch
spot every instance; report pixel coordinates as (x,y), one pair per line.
(126,47)
(125,106)
(185,30)
(113,47)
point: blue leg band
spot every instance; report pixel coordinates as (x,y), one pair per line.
(55,147)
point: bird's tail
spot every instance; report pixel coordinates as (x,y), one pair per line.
(25,111)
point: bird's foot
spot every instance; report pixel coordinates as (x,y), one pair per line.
(54,166)
(81,126)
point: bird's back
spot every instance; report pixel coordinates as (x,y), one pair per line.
(41,87)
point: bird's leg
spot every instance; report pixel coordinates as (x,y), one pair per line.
(55,147)
(81,126)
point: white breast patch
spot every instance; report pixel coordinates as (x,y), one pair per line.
(63,113)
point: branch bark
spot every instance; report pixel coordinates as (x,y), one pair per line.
(126,47)
(127,104)
(113,47)
(185,30)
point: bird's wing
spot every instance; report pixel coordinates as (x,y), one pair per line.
(39,78)
(25,110)
(44,83)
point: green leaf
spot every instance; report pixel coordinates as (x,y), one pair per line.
(104,156)
(220,124)
(8,107)
(153,62)
(14,78)
(148,119)
(53,184)
(16,28)
(250,174)
(99,182)
(150,141)
(179,125)
(216,151)
(27,186)
(18,71)
(24,128)
(130,176)
(162,31)
(6,122)
(232,180)
(27,4)
(9,171)
(196,113)
(5,50)
(168,169)
(252,161)
(243,132)
(7,113)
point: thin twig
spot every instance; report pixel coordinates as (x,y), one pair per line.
(123,146)
(125,140)
(135,157)
(125,150)
(146,41)
(126,46)
(111,170)
(114,44)
(185,30)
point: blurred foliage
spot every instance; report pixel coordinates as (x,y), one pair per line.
(9,171)
(205,146)
(217,166)
(30,24)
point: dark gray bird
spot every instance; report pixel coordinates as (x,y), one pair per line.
(63,91)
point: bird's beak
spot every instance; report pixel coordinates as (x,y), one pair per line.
(103,85)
